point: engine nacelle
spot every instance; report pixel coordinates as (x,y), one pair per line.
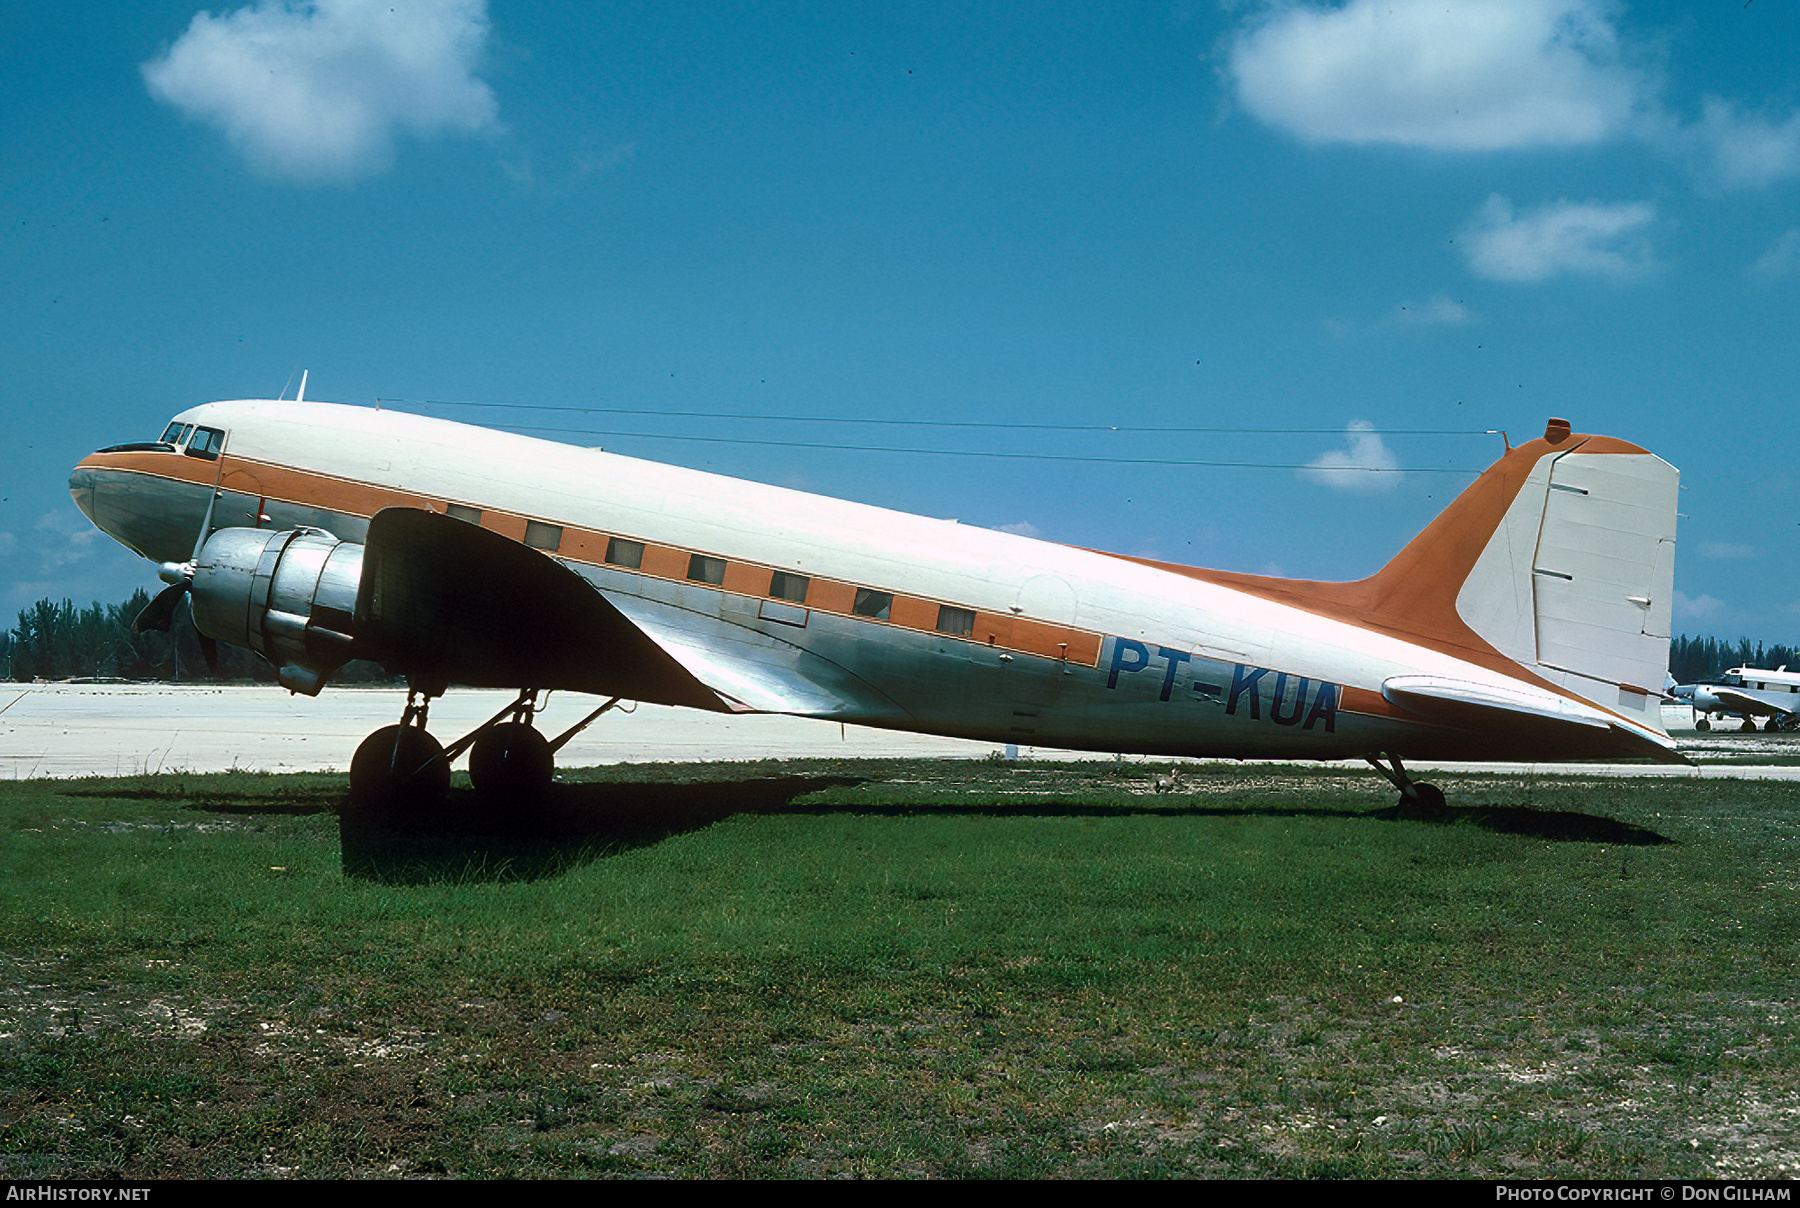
(290,596)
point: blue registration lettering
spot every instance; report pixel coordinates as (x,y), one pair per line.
(1246,678)
(1275,710)
(1324,707)
(1176,659)
(1141,660)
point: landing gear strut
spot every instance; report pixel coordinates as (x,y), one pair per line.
(1418,799)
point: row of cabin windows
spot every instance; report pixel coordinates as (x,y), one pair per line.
(783,585)
(538,535)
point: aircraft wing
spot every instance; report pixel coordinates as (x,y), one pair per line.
(1546,718)
(1750,701)
(473,607)
(453,602)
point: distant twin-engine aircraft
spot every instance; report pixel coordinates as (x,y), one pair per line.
(1529,621)
(1749,693)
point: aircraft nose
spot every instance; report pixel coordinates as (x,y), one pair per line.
(81,486)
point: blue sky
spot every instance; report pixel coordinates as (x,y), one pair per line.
(1381,228)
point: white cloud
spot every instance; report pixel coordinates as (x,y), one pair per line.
(1470,75)
(64,538)
(317,90)
(1586,238)
(1698,608)
(1487,75)
(1739,152)
(1727,549)
(1782,259)
(1366,467)
(1023,528)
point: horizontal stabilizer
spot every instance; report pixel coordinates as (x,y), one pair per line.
(1541,720)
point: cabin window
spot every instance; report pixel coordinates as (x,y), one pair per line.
(205,442)
(702,569)
(620,552)
(959,621)
(783,586)
(872,603)
(462,511)
(539,535)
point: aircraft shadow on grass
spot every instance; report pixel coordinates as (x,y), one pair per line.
(472,840)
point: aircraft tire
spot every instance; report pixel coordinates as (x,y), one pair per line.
(1426,802)
(398,771)
(1702,724)
(511,761)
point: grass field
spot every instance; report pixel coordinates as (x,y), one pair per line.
(903,969)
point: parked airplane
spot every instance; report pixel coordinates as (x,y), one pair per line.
(1529,621)
(1749,693)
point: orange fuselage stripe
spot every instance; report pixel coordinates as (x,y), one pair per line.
(306,488)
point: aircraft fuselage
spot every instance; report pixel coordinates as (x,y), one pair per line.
(783,601)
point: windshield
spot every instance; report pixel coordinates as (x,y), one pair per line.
(205,442)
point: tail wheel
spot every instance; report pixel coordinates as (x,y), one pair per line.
(1424,802)
(511,761)
(398,769)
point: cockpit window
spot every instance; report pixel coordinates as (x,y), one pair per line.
(205,442)
(172,434)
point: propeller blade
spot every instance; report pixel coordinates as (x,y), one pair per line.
(159,612)
(206,520)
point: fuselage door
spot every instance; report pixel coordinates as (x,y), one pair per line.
(1044,626)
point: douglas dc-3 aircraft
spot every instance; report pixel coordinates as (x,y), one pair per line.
(1749,693)
(1529,621)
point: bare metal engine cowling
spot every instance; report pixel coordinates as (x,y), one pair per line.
(290,596)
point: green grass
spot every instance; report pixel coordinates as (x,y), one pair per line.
(903,969)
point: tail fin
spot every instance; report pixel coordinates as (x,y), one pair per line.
(1577,580)
(1558,561)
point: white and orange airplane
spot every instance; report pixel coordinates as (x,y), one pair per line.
(1529,621)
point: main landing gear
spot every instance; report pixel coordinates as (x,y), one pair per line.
(1786,722)
(1418,798)
(403,771)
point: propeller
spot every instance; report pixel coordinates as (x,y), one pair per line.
(160,612)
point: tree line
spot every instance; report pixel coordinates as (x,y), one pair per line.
(1694,659)
(61,641)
